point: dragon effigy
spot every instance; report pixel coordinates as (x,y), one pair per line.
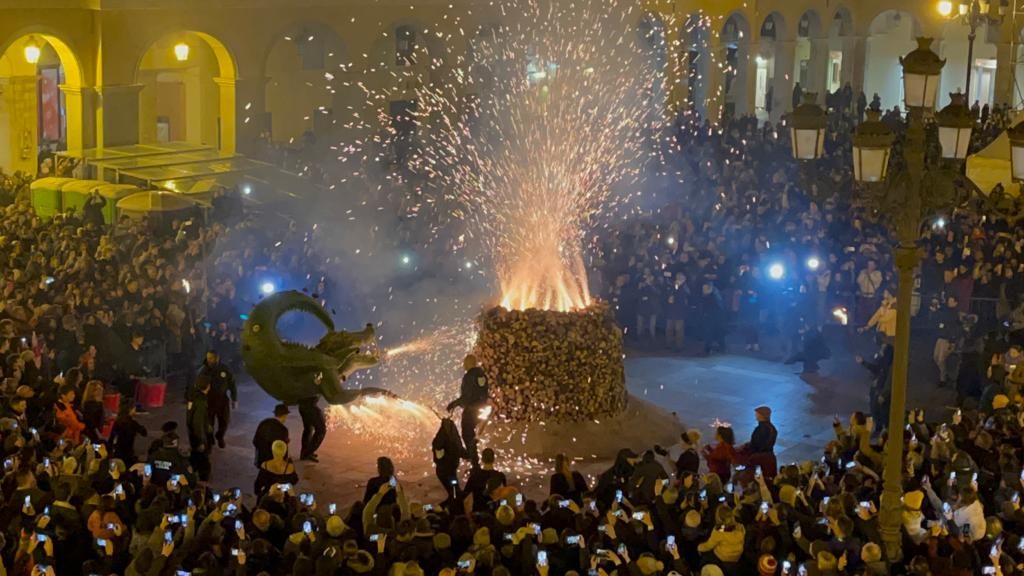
(292,372)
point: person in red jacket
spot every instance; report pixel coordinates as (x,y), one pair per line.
(721,456)
(64,413)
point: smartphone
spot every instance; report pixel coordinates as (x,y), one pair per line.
(374,537)
(536,529)
(234,551)
(728,487)
(238,525)
(332,508)
(671,541)
(168,536)
(519,500)
(96,447)
(175,478)
(572,540)
(542,558)
(428,507)
(216,498)
(503,502)
(285,487)
(825,500)
(622,549)
(721,499)
(393,482)
(740,467)
(46,461)
(465,564)
(764,507)
(638,516)
(988,570)
(563,504)
(851,464)
(865,505)
(147,470)
(307,527)
(994,550)
(113,466)
(703,494)
(119,489)
(28,500)
(231,509)
(236,493)
(101,542)
(618,493)
(757,471)
(41,537)
(604,528)
(786,566)
(508,537)
(110,525)
(946,508)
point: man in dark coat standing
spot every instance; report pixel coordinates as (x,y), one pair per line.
(314,428)
(760,451)
(268,431)
(200,429)
(223,393)
(474,395)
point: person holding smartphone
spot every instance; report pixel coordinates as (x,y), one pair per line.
(726,540)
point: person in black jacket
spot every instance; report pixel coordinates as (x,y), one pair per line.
(223,393)
(314,428)
(473,396)
(688,461)
(447,453)
(122,435)
(269,430)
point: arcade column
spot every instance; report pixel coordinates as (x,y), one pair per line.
(250,111)
(117,115)
(228,125)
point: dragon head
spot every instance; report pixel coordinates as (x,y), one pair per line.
(292,372)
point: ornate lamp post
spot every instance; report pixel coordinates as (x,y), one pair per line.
(973,14)
(904,193)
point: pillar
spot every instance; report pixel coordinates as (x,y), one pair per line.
(714,81)
(855,49)
(77,128)
(817,68)
(782,83)
(117,115)
(1006,91)
(227,115)
(250,108)
(20,105)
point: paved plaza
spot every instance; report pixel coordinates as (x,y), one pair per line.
(698,389)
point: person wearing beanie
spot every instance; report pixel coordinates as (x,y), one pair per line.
(648,565)
(871,556)
(767,565)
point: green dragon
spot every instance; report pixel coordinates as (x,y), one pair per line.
(292,372)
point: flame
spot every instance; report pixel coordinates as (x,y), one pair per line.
(544,280)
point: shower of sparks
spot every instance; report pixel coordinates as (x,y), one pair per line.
(391,423)
(543,123)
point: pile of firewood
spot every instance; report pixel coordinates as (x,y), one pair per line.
(552,366)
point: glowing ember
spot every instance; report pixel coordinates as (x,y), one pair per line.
(389,422)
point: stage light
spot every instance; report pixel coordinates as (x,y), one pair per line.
(776,271)
(813,263)
(267,288)
(405,259)
(670,240)
(469,265)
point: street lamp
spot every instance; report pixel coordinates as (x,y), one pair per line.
(807,126)
(32,51)
(872,143)
(973,14)
(955,126)
(181,50)
(921,71)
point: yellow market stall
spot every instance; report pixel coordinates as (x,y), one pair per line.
(46,196)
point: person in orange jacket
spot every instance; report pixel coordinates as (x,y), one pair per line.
(64,413)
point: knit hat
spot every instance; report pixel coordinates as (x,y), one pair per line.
(711,570)
(826,561)
(648,564)
(767,565)
(692,519)
(1000,401)
(482,537)
(787,495)
(670,495)
(912,500)
(335,526)
(442,541)
(423,529)
(691,436)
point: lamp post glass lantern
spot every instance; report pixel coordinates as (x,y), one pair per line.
(955,126)
(807,127)
(872,143)
(921,71)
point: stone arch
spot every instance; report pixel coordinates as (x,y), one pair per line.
(772,68)
(734,61)
(305,69)
(891,35)
(34,92)
(810,54)
(187,88)
(695,59)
